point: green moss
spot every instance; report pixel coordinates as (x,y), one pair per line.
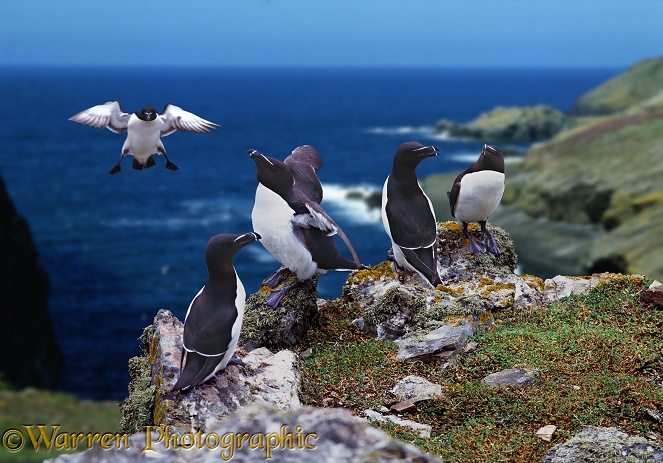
(395,299)
(286,325)
(138,408)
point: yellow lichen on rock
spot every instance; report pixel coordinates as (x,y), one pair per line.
(372,273)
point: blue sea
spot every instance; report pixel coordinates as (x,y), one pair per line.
(119,248)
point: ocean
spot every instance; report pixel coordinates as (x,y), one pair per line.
(119,248)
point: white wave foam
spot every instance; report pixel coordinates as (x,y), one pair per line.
(400,130)
(352,202)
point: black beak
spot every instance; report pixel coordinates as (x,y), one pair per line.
(428,151)
(490,150)
(247,238)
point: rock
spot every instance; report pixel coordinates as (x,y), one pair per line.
(317,434)
(394,301)
(604,445)
(416,389)
(26,326)
(512,377)
(264,378)
(470,347)
(562,286)
(518,124)
(286,326)
(546,432)
(444,338)
(406,406)
(423,430)
(653,296)
(653,415)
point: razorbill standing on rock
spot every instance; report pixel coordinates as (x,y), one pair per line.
(407,213)
(144,129)
(214,318)
(475,194)
(294,227)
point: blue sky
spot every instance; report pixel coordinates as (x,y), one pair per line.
(330,32)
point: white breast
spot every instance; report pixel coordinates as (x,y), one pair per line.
(480,193)
(143,137)
(240,302)
(272,220)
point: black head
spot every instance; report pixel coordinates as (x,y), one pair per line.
(410,154)
(148,113)
(273,174)
(491,158)
(222,248)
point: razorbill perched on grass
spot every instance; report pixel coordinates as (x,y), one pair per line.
(407,213)
(144,129)
(294,227)
(214,318)
(475,194)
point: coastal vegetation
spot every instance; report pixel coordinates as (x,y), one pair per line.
(599,354)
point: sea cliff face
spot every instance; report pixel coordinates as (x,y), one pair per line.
(590,199)
(31,355)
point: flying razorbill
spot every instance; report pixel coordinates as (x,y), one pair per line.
(214,318)
(144,129)
(475,194)
(407,213)
(294,227)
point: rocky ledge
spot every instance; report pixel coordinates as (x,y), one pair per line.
(429,324)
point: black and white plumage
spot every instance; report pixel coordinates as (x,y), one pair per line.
(294,227)
(476,193)
(144,129)
(407,213)
(214,318)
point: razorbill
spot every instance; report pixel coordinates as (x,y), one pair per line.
(294,227)
(214,318)
(144,129)
(407,213)
(475,194)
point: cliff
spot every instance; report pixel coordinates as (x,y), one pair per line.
(31,355)
(638,89)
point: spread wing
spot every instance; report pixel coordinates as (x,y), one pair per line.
(175,118)
(104,116)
